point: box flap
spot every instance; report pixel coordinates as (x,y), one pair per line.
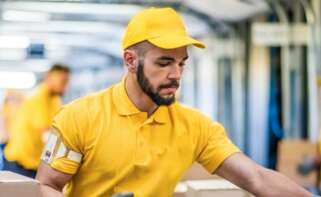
(15,185)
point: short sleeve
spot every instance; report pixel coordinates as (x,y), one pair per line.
(69,126)
(215,146)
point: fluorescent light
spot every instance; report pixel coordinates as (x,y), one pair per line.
(15,15)
(17,80)
(73,8)
(12,54)
(13,42)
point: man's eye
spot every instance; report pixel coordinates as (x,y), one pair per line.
(163,64)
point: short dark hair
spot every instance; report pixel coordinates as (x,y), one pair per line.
(141,48)
(59,68)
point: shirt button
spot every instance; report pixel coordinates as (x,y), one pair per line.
(116,188)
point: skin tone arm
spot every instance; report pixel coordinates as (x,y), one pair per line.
(51,180)
(258,180)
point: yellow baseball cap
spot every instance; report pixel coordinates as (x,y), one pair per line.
(162,27)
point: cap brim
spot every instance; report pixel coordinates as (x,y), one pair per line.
(175,41)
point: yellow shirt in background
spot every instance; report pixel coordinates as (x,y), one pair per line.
(12,104)
(124,150)
(34,117)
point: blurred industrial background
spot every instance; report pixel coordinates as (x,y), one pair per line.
(260,75)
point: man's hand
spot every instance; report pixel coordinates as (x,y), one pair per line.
(51,180)
(259,181)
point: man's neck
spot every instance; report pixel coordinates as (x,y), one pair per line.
(138,97)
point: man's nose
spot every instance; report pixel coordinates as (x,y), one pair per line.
(175,72)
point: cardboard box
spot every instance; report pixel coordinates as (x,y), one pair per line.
(196,172)
(198,182)
(15,185)
(290,154)
(214,187)
(180,190)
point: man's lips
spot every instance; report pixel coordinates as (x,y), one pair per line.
(170,90)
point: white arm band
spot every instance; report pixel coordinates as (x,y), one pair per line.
(55,149)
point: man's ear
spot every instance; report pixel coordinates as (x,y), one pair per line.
(131,60)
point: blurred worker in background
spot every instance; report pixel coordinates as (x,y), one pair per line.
(11,104)
(134,137)
(27,138)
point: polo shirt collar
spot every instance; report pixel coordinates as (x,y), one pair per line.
(161,115)
(122,102)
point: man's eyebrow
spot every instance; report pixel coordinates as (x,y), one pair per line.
(166,58)
(170,58)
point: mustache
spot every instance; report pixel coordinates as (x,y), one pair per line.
(173,83)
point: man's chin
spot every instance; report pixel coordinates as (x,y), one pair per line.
(166,101)
(168,97)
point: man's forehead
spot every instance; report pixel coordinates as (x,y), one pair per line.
(176,53)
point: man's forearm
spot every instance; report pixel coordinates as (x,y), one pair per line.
(48,191)
(276,184)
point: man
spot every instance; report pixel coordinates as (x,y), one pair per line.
(23,151)
(134,137)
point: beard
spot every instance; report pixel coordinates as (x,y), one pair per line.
(147,88)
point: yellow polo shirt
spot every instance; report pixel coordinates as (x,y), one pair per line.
(35,115)
(124,150)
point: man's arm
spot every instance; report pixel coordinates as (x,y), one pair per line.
(51,180)
(258,180)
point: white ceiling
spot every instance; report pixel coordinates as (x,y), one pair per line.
(229,10)
(62,25)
